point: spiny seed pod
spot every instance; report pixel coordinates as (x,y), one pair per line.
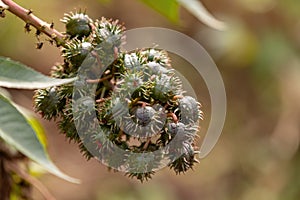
(132,62)
(76,51)
(115,108)
(166,87)
(158,56)
(144,122)
(67,127)
(142,166)
(186,161)
(189,110)
(143,93)
(183,133)
(155,68)
(108,30)
(48,102)
(129,82)
(174,128)
(62,71)
(177,130)
(84,109)
(77,25)
(111,113)
(144,115)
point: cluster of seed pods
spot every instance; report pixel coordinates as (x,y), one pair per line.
(132,101)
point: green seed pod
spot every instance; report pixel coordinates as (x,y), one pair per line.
(132,62)
(155,68)
(67,127)
(181,132)
(186,161)
(144,115)
(77,25)
(84,110)
(62,71)
(128,84)
(189,110)
(174,128)
(76,51)
(142,166)
(158,56)
(110,111)
(48,102)
(166,87)
(108,30)
(144,122)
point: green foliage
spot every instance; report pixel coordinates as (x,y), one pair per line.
(16,75)
(168,8)
(16,131)
(34,123)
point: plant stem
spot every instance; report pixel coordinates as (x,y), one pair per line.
(30,179)
(40,25)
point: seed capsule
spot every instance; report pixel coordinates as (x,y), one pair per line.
(77,25)
(165,87)
(189,110)
(76,51)
(48,102)
(144,115)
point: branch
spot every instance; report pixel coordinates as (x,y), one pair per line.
(30,19)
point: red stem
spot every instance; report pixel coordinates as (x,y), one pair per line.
(29,18)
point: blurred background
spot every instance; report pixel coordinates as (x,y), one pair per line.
(257,156)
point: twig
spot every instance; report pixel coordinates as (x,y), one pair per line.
(29,18)
(147,143)
(99,80)
(173,116)
(33,181)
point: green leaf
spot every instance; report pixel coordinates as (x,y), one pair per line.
(5,93)
(198,10)
(34,123)
(168,8)
(16,75)
(16,131)
(30,117)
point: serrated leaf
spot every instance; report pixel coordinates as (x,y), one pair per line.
(198,10)
(16,75)
(16,131)
(168,8)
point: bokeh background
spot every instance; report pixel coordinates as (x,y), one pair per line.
(257,156)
